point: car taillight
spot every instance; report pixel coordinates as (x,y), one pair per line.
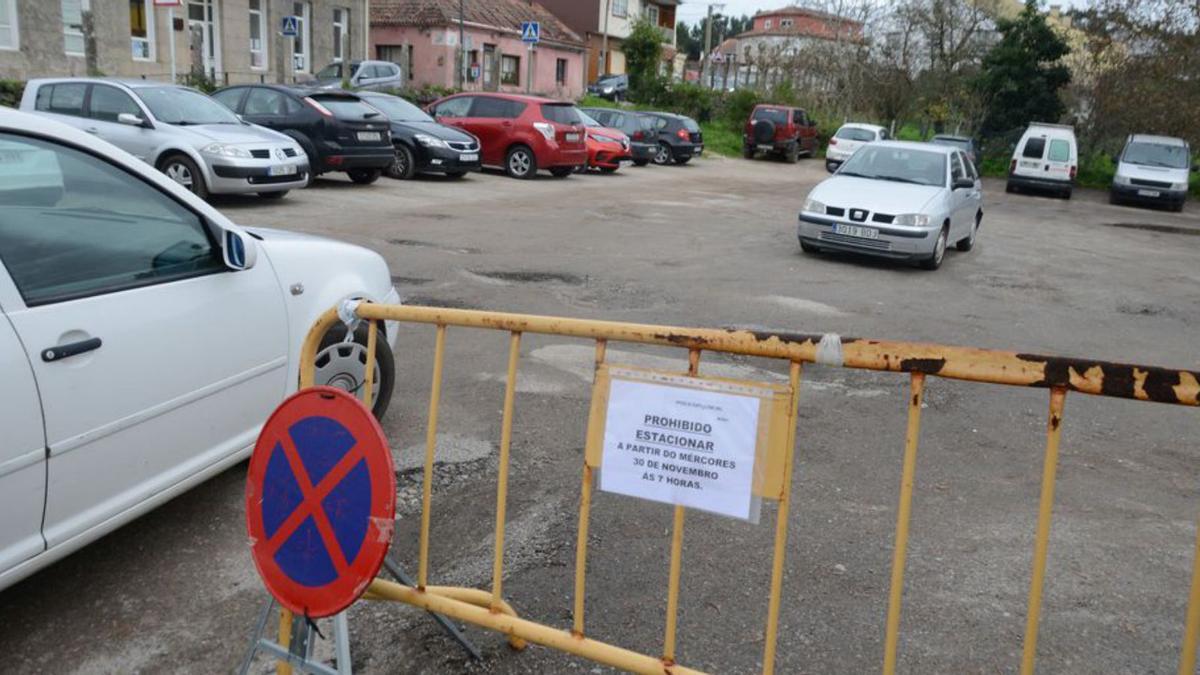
(1073,170)
(638,135)
(546,128)
(318,107)
(1012,167)
(833,141)
(683,135)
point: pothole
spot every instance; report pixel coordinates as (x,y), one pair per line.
(1153,227)
(1142,309)
(429,244)
(532,277)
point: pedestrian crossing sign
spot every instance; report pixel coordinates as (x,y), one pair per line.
(531,31)
(291,26)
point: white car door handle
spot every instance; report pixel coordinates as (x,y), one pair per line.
(60,352)
(92,130)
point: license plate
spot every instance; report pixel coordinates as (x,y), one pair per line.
(1149,193)
(572,138)
(1031,165)
(856,231)
(281,171)
(766,147)
(468,157)
(369,136)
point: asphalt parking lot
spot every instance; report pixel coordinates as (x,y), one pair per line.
(713,244)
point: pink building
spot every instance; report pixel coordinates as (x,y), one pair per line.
(423,37)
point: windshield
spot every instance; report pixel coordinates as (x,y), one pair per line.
(952,142)
(855,134)
(176,105)
(1157,154)
(588,120)
(901,165)
(398,109)
(333,71)
(609,79)
(347,108)
(771,115)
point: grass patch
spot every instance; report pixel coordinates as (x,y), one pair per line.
(719,139)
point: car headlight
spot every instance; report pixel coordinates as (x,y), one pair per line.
(1121,180)
(814,206)
(913,219)
(546,128)
(1179,186)
(605,139)
(430,142)
(223,150)
(609,90)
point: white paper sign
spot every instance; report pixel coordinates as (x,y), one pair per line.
(679,445)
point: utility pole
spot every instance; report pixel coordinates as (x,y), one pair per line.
(706,69)
(462,48)
(602,67)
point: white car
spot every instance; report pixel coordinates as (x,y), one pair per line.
(1153,170)
(847,139)
(896,199)
(144,338)
(1045,159)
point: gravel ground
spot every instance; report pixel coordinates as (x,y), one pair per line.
(713,244)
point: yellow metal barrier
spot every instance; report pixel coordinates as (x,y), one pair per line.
(489,610)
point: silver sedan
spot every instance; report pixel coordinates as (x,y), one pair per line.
(895,199)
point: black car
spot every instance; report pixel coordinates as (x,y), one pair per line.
(643,136)
(679,138)
(338,131)
(423,145)
(612,87)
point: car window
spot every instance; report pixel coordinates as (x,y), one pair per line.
(562,114)
(1060,150)
(229,97)
(265,102)
(398,109)
(109,102)
(883,135)
(64,99)
(73,225)
(660,123)
(897,164)
(855,134)
(690,125)
(454,107)
(491,107)
(1034,148)
(972,172)
(179,105)
(956,167)
(771,115)
(344,107)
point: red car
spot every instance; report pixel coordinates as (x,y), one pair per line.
(607,147)
(520,134)
(780,130)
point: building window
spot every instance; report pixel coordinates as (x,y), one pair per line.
(652,14)
(786,23)
(341,33)
(302,43)
(8,25)
(72,18)
(620,7)
(510,69)
(767,23)
(258,31)
(141,29)
(560,71)
(408,64)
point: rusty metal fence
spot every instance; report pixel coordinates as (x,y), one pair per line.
(488,609)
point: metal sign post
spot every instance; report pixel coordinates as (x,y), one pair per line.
(170,5)
(290,29)
(531,34)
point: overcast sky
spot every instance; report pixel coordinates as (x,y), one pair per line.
(691,10)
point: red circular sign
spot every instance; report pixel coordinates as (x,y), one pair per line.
(320,501)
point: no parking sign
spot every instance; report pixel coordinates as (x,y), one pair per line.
(320,501)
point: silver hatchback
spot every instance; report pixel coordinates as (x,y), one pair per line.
(192,138)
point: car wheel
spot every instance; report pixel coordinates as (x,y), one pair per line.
(1066,194)
(403,165)
(456,174)
(748,152)
(808,248)
(274,195)
(792,155)
(641,162)
(184,171)
(663,156)
(1113,198)
(343,365)
(1010,188)
(682,160)
(939,251)
(608,169)
(1177,208)
(968,243)
(564,171)
(364,176)
(520,162)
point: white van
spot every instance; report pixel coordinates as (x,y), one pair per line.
(1046,159)
(1153,169)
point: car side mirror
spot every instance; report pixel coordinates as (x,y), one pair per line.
(131,120)
(238,250)
(963,184)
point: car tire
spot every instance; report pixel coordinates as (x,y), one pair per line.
(967,243)
(792,154)
(1113,198)
(934,261)
(336,361)
(608,169)
(682,160)
(809,248)
(520,162)
(1066,194)
(364,176)
(275,196)
(182,170)
(663,156)
(564,171)
(1010,188)
(404,164)
(641,162)
(456,174)
(831,167)
(747,152)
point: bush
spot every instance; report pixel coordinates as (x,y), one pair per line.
(10,92)
(737,106)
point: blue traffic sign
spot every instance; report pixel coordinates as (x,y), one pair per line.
(291,26)
(531,31)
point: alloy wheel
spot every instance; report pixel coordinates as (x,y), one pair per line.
(663,155)
(519,163)
(180,174)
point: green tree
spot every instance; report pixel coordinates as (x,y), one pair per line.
(643,53)
(1023,75)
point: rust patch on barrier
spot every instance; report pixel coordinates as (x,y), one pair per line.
(927,366)
(1119,380)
